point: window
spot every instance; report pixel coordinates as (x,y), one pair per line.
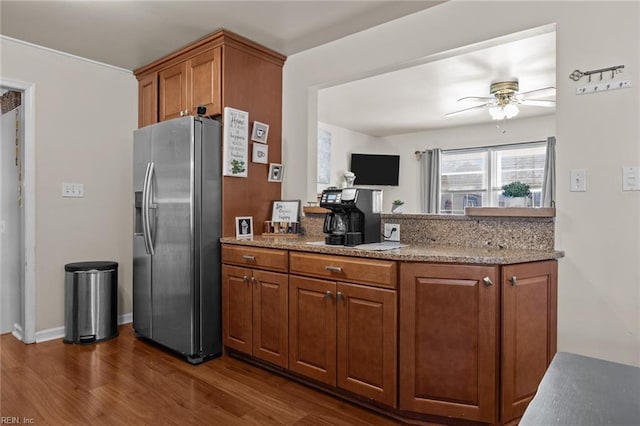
(474,177)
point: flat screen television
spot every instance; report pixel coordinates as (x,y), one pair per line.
(375,169)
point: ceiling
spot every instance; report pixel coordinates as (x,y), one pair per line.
(416,98)
(130,34)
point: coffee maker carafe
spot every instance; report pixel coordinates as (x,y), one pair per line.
(354,217)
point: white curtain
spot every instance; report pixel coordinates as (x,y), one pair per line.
(548,196)
(430,180)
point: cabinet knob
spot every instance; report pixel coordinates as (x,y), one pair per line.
(245,279)
(181,113)
(487,281)
(253,280)
(513,280)
(339,295)
(328,294)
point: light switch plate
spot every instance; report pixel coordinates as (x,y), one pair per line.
(74,190)
(578,180)
(631,178)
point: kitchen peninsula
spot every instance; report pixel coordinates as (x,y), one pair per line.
(451,328)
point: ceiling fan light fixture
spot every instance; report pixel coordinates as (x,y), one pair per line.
(502,112)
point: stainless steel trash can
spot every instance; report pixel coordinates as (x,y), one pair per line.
(91,301)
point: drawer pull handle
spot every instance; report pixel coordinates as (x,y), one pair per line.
(487,281)
(328,294)
(249,257)
(514,280)
(333,268)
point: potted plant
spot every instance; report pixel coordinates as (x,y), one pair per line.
(396,206)
(516,194)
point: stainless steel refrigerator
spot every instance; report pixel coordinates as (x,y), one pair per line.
(176,242)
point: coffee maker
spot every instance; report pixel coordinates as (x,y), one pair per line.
(354,217)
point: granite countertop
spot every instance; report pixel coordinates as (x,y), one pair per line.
(410,253)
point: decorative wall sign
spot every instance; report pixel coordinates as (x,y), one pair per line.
(236,142)
(276,171)
(285,211)
(260,153)
(260,132)
(244,227)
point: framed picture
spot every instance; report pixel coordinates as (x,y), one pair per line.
(244,227)
(285,211)
(275,172)
(260,132)
(260,153)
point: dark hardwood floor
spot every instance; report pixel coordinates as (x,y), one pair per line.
(126,381)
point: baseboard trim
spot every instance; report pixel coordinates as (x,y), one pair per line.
(17,332)
(58,332)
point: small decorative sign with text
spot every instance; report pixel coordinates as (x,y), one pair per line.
(236,142)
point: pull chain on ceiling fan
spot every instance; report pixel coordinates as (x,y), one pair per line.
(505,100)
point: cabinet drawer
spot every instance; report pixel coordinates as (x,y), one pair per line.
(381,273)
(275,260)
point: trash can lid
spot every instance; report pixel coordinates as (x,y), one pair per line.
(88,266)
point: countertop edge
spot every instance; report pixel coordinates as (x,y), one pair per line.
(411,253)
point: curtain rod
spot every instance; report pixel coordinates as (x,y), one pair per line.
(419,153)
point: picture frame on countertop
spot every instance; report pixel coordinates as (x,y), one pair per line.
(260,153)
(276,172)
(244,227)
(286,211)
(260,132)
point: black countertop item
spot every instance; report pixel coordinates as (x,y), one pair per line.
(579,390)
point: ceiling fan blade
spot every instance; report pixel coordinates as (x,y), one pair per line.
(538,93)
(547,104)
(476,98)
(449,114)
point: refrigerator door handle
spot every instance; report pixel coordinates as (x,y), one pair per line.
(146,201)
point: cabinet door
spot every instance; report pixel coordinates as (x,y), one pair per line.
(148,100)
(367,341)
(173,91)
(529,321)
(270,317)
(312,328)
(236,308)
(204,82)
(448,340)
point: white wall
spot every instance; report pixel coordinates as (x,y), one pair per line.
(599,279)
(344,142)
(85,117)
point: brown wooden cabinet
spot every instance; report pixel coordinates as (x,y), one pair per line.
(529,324)
(148,100)
(449,340)
(340,333)
(185,86)
(255,306)
(475,340)
(222,70)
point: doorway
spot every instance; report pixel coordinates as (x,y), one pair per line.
(17,212)
(11,210)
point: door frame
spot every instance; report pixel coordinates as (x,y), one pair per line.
(28,332)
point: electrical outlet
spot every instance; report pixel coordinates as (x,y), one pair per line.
(75,190)
(391,232)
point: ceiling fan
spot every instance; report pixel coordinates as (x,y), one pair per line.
(505,100)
